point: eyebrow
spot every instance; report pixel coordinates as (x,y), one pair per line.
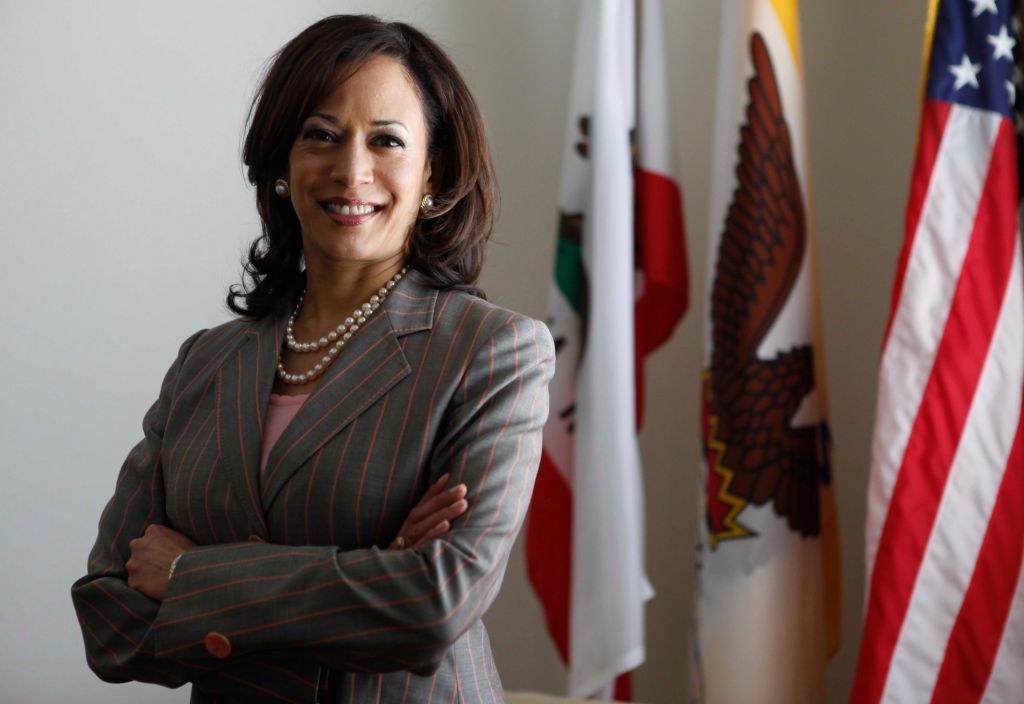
(375,123)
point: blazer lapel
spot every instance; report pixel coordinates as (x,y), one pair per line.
(243,393)
(365,370)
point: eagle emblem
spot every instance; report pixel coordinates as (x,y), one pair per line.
(755,455)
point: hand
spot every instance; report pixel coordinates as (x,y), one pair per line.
(151,557)
(432,516)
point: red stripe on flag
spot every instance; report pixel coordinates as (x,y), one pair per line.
(940,419)
(660,251)
(971,651)
(549,550)
(623,688)
(934,115)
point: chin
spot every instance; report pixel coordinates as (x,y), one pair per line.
(343,254)
(339,244)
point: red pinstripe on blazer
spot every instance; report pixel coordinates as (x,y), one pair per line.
(288,570)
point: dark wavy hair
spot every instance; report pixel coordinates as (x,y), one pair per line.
(447,244)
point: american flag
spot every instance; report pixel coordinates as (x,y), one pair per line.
(945,531)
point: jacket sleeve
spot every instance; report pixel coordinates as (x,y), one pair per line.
(383,610)
(117,620)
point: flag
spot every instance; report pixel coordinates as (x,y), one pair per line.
(620,266)
(944,618)
(767,574)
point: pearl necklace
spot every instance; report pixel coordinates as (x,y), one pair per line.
(336,338)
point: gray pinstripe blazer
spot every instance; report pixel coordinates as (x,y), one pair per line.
(288,571)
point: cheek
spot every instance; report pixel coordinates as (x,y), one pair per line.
(293,169)
(409,187)
(305,168)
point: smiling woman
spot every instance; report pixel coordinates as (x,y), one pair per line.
(355,168)
(445,239)
(356,180)
(328,488)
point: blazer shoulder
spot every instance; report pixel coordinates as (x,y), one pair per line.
(207,344)
(464,311)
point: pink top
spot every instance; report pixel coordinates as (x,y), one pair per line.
(280,413)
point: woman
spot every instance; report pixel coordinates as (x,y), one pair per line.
(240,551)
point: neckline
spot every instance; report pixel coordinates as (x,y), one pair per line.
(287,399)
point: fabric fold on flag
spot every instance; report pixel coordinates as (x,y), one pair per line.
(767,577)
(944,616)
(620,266)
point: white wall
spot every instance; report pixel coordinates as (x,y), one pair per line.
(123,213)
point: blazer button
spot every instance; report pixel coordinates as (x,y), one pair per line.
(217,645)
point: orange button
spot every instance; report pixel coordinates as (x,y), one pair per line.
(217,645)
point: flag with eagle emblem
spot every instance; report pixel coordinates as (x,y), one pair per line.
(620,288)
(767,603)
(944,616)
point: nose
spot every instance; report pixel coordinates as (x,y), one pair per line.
(353,164)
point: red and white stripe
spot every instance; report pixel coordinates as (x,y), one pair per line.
(945,529)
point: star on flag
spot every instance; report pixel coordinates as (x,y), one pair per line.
(984,6)
(1002,44)
(966,72)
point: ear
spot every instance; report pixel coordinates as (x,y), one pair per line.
(428,177)
(432,175)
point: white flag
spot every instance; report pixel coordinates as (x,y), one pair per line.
(767,614)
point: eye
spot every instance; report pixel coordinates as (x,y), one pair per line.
(318,134)
(387,140)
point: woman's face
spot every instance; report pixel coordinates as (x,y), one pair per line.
(359,168)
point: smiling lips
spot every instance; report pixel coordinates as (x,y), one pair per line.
(350,212)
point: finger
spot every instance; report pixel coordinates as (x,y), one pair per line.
(437,487)
(433,534)
(442,481)
(449,508)
(132,570)
(458,491)
(402,532)
(425,509)
(452,512)
(447,513)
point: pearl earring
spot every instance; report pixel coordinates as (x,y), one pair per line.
(427,203)
(281,188)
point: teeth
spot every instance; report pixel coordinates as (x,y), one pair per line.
(350,209)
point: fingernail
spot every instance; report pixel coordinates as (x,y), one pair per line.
(461,504)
